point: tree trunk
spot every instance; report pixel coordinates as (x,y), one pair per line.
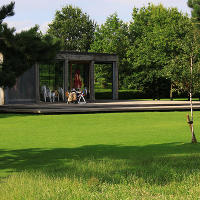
(190,122)
(171,92)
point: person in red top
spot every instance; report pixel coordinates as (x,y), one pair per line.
(77,80)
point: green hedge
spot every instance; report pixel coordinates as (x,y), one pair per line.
(122,95)
(134,94)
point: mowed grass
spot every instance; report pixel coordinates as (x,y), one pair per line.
(99,156)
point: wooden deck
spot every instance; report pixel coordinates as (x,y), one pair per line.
(99,107)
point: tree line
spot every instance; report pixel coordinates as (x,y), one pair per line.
(156,47)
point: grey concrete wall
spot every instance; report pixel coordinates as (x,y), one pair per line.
(24,90)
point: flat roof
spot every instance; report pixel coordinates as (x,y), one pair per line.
(87,56)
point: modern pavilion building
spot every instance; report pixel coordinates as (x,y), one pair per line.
(61,74)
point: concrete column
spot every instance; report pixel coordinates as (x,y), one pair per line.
(37,83)
(115,81)
(91,82)
(71,84)
(66,77)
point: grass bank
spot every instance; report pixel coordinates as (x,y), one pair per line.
(99,156)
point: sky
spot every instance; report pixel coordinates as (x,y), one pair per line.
(42,12)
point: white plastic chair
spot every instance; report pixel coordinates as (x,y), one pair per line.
(49,94)
(46,92)
(61,93)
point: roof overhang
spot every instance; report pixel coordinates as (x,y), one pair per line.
(98,58)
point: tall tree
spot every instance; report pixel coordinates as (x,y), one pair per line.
(184,69)
(112,37)
(21,50)
(153,34)
(74,28)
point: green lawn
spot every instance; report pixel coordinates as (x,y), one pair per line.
(99,156)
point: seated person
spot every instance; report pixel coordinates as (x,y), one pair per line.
(72,96)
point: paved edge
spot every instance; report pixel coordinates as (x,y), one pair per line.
(102,107)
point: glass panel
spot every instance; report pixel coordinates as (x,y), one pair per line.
(51,76)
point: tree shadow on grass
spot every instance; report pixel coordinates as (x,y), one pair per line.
(155,164)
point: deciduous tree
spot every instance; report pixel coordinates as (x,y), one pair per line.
(74,28)
(154,33)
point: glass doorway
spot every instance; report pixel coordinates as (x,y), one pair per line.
(78,76)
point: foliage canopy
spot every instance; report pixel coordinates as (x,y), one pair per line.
(156,37)
(74,28)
